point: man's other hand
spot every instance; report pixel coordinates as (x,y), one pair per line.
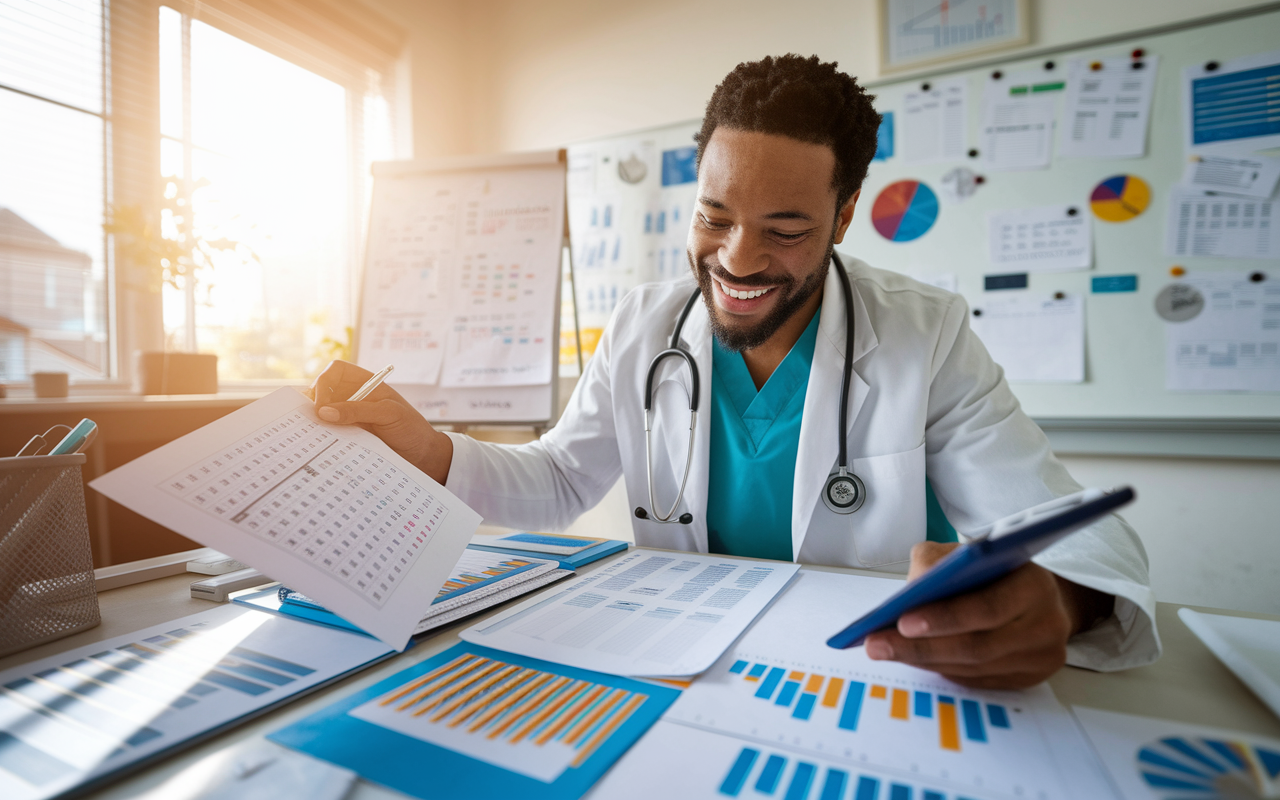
(1008,635)
(385,414)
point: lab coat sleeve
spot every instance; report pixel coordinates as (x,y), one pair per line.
(986,459)
(547,484)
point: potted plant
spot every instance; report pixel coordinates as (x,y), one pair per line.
(172,250)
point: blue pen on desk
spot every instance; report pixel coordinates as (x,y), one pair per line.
(81,436)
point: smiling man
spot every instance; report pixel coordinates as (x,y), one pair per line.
(773,320)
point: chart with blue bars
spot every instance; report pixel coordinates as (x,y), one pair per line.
(1179,767)
(886,730)
(94,709)
(957,722)
(760,771)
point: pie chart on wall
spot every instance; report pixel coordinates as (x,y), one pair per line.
(1120,198)
(904,210)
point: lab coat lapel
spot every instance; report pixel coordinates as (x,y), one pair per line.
(696,338)
(819,447)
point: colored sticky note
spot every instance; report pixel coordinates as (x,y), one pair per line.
(1017,280)
(884,138)
(1115,283)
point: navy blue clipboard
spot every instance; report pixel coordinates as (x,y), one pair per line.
(1007,545)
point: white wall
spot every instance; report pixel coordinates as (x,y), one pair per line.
(495,75)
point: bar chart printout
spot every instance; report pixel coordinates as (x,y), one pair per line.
(481,723)
(80,715)
(780,691)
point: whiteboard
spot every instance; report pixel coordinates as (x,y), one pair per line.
(1124,338)
(461,285)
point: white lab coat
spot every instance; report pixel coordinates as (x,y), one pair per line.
(926,399)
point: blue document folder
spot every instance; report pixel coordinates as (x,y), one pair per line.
(486,725)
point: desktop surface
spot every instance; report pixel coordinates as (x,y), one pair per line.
(1187,685)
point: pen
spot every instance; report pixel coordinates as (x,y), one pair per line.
(371,384)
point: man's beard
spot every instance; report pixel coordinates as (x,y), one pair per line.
(794,294)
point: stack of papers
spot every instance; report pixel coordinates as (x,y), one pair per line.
(478,581)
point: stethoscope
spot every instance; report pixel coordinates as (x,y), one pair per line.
(844,492)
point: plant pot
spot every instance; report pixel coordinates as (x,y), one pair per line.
(175,373)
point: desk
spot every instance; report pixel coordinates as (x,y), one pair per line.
(1188,684)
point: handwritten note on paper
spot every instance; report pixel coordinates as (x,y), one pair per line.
(1044,239)
(1035,339)
(1107,108)
(1233,344)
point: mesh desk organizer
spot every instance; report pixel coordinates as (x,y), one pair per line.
(46,567)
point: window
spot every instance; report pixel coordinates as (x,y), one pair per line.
(53,182)
(273,157)
(264,116)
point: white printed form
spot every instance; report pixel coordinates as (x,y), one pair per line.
(1220,226)
(1233,344)
(1043,239)
(331,511)
(1108,108)
(1017,121)
(648,613)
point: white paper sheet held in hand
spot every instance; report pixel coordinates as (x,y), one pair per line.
(329,510)
(1041,239)
(648,613)
(1107,108)
(1035,338)
(1233,344)
(784,715)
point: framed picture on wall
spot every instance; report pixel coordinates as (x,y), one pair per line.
(917,33)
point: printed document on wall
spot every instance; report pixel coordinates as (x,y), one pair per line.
(783,715)
(1255,176)
(1232,110)
(326,509)
(1221,226)
(1035,339)
(935,123)
(1233,343)
(648,613)
(1017,120)
(1107,108)
(1040,239)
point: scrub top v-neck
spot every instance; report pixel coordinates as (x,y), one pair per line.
(755,436)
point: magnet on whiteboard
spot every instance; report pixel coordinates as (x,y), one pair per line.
(1179,302)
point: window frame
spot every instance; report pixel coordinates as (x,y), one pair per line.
(131,138)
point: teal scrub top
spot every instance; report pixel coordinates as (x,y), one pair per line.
(755,436)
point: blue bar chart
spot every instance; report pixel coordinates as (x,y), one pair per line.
(958,723)
(68,718)
(759,771)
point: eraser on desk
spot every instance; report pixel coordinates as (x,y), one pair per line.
(219,587)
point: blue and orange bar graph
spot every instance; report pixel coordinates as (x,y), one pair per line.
(470,580)
(514,704)
(765,774)
(802,692)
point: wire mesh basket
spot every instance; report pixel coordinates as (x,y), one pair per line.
(46,567)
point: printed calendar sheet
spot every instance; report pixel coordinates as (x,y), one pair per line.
(330,510)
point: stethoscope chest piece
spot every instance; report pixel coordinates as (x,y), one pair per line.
(844,492)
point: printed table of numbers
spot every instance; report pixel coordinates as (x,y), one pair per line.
(327,499)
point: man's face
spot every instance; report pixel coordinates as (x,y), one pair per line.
(763,231)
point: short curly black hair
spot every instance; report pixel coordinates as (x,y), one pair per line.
(805,99)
